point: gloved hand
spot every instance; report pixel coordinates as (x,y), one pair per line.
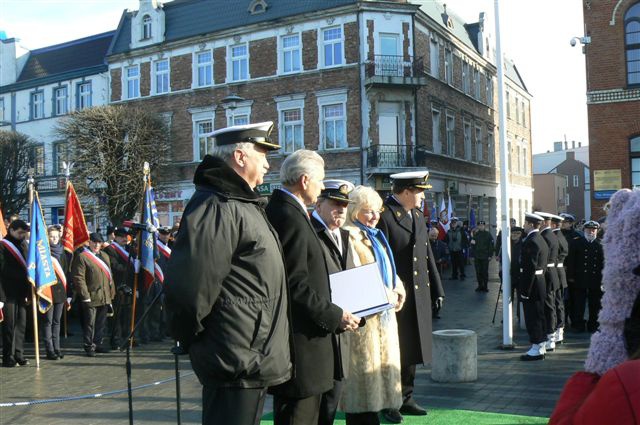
(439,302)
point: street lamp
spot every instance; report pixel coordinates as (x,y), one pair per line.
(230,103)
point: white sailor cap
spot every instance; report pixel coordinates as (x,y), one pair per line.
(557,218)
(417,179)
(533,218)
(544,215)
(257,133)
(336,189)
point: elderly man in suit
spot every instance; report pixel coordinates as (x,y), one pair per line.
(315,319)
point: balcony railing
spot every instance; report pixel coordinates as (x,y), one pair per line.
(394,66)
(391,156)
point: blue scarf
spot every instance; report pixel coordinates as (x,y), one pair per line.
(380,250)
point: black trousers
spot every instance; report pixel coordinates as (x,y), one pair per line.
(93,323)
(550,304)
(457,264)
(534,313)
(296,411)
(407,378)
(13,330)
(232,405)
(593,297)
(559,301)
(51,327)
(482,271)
(120,323)
(329,404)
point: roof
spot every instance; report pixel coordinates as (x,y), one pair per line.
(62,58)
(549,161)
(436,11)
(188,18)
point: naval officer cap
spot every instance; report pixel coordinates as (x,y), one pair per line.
(533,218)
(591,224)
(568,217)
(337,190)
(411,179)
(544,215)
(557,218)
(257,133)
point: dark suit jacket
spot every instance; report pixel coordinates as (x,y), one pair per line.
(314,317)
(336,262)
(533,257)
(551,275)
(416,266)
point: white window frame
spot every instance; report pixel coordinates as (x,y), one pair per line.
(448,66)
(165,74)
(525,158)
(466,125)
(240,58)
(576,180)
(58,161)
(323,43)
(466,77)
(434,54)
(199,116)
(197,66)
(135,80)
(436,133)
(491,147)
(1,109)
(509,156)
(295,51)
(147,27)
(508,103)
(283,107)
(479,141)
(476,83)
(61,102)
(523,112)
(517,110)
(84,97)
(451,134)
(328,98)
(240,114)
(489,90)
(37,104)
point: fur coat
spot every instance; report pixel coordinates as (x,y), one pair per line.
(374,370)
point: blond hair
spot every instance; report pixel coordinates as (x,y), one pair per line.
(363,197)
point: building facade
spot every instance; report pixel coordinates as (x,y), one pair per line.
(612,55)
(553,194)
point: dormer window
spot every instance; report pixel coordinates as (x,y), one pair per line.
(258,6)
(146,27)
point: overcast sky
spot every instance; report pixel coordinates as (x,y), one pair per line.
(535,35)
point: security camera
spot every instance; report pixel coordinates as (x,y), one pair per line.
(573,42)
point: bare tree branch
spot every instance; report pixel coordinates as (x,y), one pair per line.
(14,157)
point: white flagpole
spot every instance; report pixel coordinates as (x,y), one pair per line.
(507,316)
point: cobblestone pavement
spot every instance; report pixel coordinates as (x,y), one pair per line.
(504,385)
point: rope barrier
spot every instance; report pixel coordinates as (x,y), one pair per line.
(88,396)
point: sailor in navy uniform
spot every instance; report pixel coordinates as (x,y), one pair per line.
(563,251)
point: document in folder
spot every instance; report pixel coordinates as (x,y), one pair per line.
(360,290)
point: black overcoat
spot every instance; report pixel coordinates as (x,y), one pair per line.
(551,275)
(336,262)
(533,264)
(314,317)
(14,285)
(563,251)
(585,264)
(416,266)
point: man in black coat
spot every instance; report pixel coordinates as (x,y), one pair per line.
(327,219)
(532,290)
(584,273)
(315,319)
(404,226)
(15,292)
(551,279)
(563,251)
(225,283)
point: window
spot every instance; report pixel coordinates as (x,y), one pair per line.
(489,90)
(476,83)
(479,141)
(332,46)
(239,62)
(61,101)
(576,181)
(525,159)
(146,27)
(518,160)
(132,75)
(517,110)
(509,167)
(291,53)
(491,148)
(632,43)
(467,140)
(333,124)
(434,54)
(59,157)
(36,160)
(204,69)
(522,111)
(451,135)
(2,111)
(448,66)
(238,116)
(466,78)
(634,145)
(435,125)
(508,102)
(292,136)
(161,76)
(83,95)
(204,144)
(37,105)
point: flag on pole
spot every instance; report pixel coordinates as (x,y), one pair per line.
(443,221)
(148,247)
(75,233)
(472,219)
(40,269)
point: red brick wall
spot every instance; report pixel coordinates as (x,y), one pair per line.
(406,40)
(352,42)
(116,84)
(145,79)
(370,39)
(309,50)
(263,57)
(220,65)
(181,74)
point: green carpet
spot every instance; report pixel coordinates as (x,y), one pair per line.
(450,417)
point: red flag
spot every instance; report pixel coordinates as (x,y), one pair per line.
(75,232)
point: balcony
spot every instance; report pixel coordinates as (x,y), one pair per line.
(387,70)
(387,158)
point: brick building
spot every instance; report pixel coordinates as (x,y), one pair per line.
(613,96)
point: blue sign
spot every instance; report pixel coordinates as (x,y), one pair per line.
(603,195)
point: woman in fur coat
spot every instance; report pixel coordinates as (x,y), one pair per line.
(374,375)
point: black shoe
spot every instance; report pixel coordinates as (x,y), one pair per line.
(9,363)
(392,415)
(22,362)
(412,408)
(528,358)
(102,349)
(485,289)
(51,356)
(91,353)
(60,354)
(478,289)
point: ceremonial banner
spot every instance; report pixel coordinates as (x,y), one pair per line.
(75,233)
(148,248)
(40,269)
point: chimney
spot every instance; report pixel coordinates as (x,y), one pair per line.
(579,144)
(566,145)
(557,146)
(8,63)
(573,144)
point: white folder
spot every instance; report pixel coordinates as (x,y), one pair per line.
(360,290)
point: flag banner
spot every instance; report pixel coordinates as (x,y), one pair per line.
(98,262)
(443,216)
(40,268)
(75,233)
(59,273)
(472,219)
(164,250)
(148,247)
